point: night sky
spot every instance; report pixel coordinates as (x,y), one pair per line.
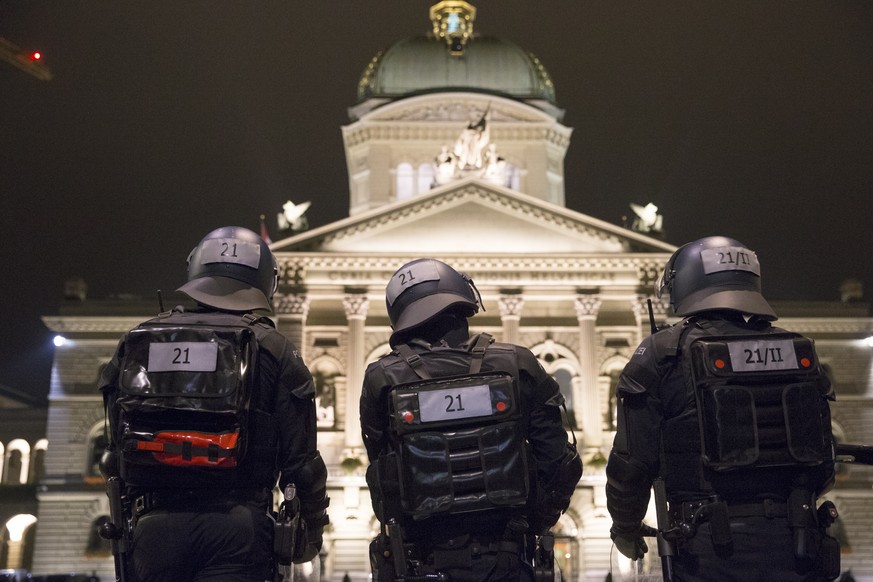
(166,119)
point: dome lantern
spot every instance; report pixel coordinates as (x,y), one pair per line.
(453,21)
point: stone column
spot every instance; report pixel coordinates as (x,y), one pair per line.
(510,314)
(587,400)
(356,305)
(292,310)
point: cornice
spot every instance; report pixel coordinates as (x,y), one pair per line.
(840,325)
(394,132)
(302,268)
(91,324)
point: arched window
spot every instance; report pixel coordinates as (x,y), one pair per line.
(96,447)
(425,178)
(513,175)
(328,376)
(18,541)
(37,461)
(405,181)
(564,376)
(567,547)
(97,545)
(561,363)
(17,459)
(410,181)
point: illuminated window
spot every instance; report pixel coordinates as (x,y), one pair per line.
(96,447)
(425,178)
(37,462)
(405,181)
(97,545)
(329,379)
(16,462)
(561,363)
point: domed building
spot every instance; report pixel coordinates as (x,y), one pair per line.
(455,150)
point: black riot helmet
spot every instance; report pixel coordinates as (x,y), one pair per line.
(715,272)
(422,289)
(232,269)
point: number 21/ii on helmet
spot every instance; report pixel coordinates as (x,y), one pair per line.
(712,273)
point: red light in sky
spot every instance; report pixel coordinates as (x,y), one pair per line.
(35,56)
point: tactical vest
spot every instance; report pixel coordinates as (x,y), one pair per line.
(757,404)
(458,441)
(183,404)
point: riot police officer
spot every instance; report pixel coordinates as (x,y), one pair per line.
(469,461)
(730,416)
(207,409)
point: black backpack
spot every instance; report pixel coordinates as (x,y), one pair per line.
(759,400)
(183,399)
(458,441)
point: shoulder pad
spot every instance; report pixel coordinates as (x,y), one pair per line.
(666,341)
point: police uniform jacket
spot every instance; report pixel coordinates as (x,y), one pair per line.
(657,408)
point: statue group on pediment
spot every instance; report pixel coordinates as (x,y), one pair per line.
(473,154)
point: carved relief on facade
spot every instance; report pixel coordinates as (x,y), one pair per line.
(457,109)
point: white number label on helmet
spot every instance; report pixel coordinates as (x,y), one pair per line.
(412,275)
(730,259)
(230,250)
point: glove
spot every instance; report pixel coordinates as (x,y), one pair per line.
(630,542)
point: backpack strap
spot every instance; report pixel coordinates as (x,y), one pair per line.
(478,350)
(415,362)
(413,359)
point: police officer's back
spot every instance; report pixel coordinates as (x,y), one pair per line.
(207,408)
(469,457)
(731,415)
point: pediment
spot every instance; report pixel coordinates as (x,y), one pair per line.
(468,217)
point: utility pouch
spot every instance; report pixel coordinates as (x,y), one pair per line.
(829,557)
(285,540)
(289,533)
(720,529)
(381,566)
(544,559)
(801,520)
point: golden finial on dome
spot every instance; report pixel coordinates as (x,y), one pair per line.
(453,21)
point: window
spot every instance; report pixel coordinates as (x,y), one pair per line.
(413,181)
(425,178)
(328,378)
(16,462)
(561,363)
(96,544)
(37,462)
(96,447)
(405,182)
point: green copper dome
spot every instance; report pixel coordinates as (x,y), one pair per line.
(424,64)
